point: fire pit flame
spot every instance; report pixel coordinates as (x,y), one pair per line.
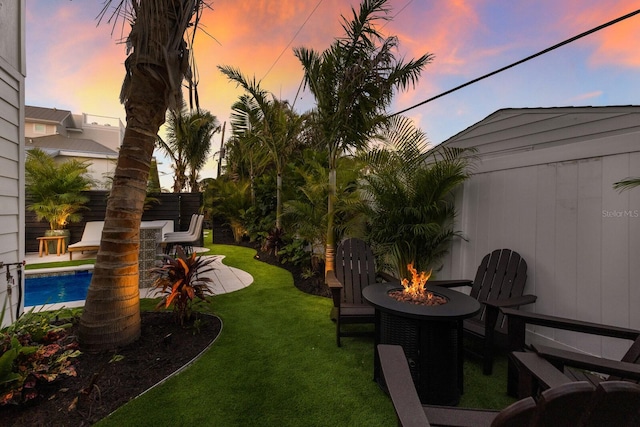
(414,290)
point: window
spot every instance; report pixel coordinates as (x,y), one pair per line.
(39,128)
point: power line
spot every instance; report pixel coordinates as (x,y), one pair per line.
(292,39)
(542,52)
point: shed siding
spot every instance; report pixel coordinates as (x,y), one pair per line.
(12,74)
(579,236)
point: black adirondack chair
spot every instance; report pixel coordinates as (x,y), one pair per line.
(580,404)
(355,269)
(538,370)
(499,282)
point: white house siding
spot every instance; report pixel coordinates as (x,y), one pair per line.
(12,74)
(553,202)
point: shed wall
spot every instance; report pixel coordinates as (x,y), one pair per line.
(579,236)
(12,76)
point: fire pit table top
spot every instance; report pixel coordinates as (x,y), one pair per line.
(459,306)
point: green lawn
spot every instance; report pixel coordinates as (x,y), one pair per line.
(276,363)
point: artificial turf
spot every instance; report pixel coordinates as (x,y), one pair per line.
(276,363)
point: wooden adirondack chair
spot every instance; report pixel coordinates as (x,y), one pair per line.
(355,269)
(614,403)
(534,370)
(499,282)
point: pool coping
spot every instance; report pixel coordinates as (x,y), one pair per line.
(34,271)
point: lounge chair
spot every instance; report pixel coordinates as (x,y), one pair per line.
(90,240)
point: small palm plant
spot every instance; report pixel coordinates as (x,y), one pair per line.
(181,279)
(55,189)
(411,195)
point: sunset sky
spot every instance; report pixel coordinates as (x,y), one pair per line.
(77,65)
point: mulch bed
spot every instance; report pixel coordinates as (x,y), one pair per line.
(163,348)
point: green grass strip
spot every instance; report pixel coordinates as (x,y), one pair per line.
(58,264)
(275,364)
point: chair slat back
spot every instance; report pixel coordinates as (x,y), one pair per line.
(563,405)
(614,403)
(355,269)
(502,274)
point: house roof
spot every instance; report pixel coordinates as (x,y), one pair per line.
(79,146)
(52,115)
(515,137)
(518,127)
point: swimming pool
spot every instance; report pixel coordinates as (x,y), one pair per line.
(56,288)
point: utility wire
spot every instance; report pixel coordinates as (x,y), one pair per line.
(542,52)
(292,39)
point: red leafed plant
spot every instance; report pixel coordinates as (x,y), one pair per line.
(181,280)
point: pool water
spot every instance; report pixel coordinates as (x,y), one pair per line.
(57,289)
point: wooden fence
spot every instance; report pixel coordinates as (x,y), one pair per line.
(171,206)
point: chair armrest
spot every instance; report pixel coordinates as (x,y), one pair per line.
(386,277)
(335,287)
(570,324)
(450,283)
(589,362)
(540,368)
(332,281)
(397,377)
(512,302)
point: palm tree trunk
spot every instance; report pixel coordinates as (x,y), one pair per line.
(279,201)
(330,251)
(111,316)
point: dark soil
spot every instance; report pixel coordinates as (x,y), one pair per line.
(163,348)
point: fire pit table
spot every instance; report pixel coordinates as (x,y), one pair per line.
(431,336)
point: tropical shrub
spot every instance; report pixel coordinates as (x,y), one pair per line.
(410,190)
(231,201)
(180,279)
(305,216)
(54,190)
(34,352)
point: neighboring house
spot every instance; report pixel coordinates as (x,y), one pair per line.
(12,80)
(63,135)
(543,186)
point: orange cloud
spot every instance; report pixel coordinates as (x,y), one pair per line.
(614,45)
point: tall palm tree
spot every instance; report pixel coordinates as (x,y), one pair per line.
(353,82)
(306,213)
(246,117)
(188,144)
(204,125)
(280,128)
(158,61)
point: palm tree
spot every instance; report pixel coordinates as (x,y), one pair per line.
(410,193)
(306,214)
(280,128)
(55,189)
(188,144)
(246,117)
(353,82)
(158,62)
